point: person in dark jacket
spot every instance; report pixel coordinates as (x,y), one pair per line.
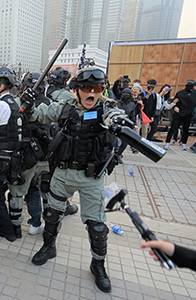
(183,112)
(120,84)
(149,99)
(183,257)
(126,103)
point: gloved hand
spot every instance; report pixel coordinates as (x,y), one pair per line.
(27,99)
(112,117)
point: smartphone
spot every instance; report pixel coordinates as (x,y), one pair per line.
(169,89)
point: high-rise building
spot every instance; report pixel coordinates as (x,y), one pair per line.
(21,33)
(131,20)
(54,26)
(161,19)
(96,22)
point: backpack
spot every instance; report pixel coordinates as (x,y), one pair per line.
(144,93)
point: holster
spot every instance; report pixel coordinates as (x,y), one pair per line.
(14,176)
(5,162)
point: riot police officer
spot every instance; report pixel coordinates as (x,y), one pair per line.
(57,84)
(34,135)
(57,90)
(82,148)
(9,146)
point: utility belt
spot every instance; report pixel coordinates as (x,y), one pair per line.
(70,165)
(91,169)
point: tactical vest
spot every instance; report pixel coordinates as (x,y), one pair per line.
(85,140)
(9,132)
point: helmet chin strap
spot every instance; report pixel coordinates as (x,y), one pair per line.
(79,98)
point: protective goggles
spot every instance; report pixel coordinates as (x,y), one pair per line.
(85,75)
(89,88)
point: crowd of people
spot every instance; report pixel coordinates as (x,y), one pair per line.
(57,139)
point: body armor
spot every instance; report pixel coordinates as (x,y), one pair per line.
(84,140)
(9,132)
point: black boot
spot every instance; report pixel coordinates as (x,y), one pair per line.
(47,251)
(70,209)
(10,238)
(18,231)
(101,278)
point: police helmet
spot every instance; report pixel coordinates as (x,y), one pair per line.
(89,75)
(7,72)
(58,75)
(30,78)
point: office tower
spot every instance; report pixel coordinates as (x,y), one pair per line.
(21,33)
(54,26)
(96,22)
(131,20)
(161,19)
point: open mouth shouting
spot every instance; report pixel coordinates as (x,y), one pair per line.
(89,98)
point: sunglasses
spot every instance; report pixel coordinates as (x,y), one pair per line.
(88,88)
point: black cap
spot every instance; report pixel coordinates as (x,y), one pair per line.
(152,81)
(190,81)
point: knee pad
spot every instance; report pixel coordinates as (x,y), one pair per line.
(98,232)
(51,215)
(14,213)
(51,218)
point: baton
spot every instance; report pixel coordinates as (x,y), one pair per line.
(45,71)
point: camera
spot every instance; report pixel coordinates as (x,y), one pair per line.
(126,78)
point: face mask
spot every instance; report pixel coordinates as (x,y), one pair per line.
(125,85)
(125,98)
(189,87)
(150,87)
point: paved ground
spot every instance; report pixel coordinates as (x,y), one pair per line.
(163,193)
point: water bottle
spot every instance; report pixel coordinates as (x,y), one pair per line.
(115,228)
(130,169)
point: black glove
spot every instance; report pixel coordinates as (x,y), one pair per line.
(27,99)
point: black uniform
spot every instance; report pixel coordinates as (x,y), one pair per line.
(8,143)
(186,105)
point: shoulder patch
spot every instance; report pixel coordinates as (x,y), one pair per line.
(10,101)
(62,101)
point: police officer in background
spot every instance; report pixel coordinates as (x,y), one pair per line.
(57,91)
(82,149)
(34,165)
(57,84)
(9,147)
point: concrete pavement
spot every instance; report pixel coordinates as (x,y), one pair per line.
(164,195)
